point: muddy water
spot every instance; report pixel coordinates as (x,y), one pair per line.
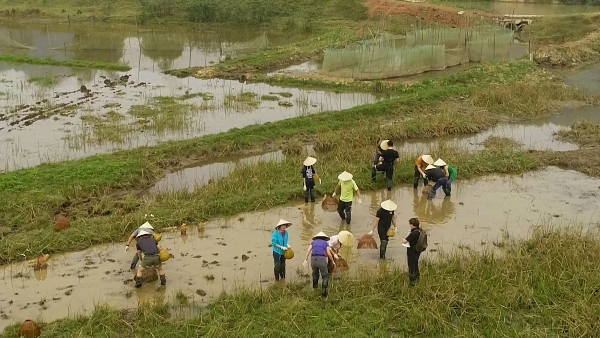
(190,178)
(587,79)
(42,122)
(537,134)
(477,213)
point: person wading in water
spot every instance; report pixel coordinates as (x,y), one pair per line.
(384,219)
(279,242)
(439,178)
(347,186)
(319,252)
(309,174)
(420,166)
(390,157)
(148,247)
(146,227)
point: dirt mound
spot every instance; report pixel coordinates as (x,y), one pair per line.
(441,14)
(570,53)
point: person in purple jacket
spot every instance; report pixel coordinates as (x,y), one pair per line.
(319,252)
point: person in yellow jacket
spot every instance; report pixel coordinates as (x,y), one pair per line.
(346,186)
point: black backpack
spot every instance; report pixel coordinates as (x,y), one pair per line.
(421,242)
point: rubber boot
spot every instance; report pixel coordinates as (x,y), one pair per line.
(312,195)
(324,293)
(416,182)
(446,191)
(431,194)
(134,261)
(306,196)
(138,281)
(163,280)
(276,271)
(382,249)
(373,174)
(282,271)
(389,184)
(324,286)
(315,278)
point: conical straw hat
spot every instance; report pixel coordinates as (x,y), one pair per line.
(384,145)
(439,162)
(310,161)
(321,235)
(283,222)
(430,167)
(146,226)
(346,238)
(389,205)
(143,232)
(427,159)
(345,176)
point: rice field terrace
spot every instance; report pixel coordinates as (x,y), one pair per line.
(201,112)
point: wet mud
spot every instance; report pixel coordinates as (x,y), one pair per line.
(219,255)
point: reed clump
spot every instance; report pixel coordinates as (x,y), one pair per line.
(543,286)
(584,133)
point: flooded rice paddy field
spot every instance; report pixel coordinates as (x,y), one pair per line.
(58,113)
(218,256)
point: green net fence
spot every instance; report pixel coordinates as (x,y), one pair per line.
(420,51)
(7,43)
(247,47)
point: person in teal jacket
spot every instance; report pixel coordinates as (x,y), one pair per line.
(279,242)
(450,172)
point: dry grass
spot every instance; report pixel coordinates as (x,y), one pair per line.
(584,133)
(497,143)
(546,286)
(573,53)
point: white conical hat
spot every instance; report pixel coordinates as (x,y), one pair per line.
(430,167)
(310,161)
(389,205)
(427,159)
(321,234)
(143,232)
(283,222)
(384,145)
(345,176)
(439,162)
(146,226)
(346,238)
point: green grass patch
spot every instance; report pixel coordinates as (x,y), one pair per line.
(564,28)
(584,133)
(65,63)
(47,81)
(540,287)
(269,98)
(106,192)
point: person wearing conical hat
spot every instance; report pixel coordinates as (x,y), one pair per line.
(377,159)
(342,238)
(437,176)
(319,252)
(279,243)
(147,227)
(309,175)
(148,247)
(450,173)
(347,187)
(389,157)
(384,219)
(420,164)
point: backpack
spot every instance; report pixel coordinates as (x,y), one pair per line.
(421,242)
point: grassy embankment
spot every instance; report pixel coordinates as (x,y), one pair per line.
(546,286)
(104,195)
(32,60)
(566,40)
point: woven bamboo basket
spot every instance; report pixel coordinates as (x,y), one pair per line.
(61,223)
(367,242)
(329,203)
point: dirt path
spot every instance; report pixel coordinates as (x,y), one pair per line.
(442,14)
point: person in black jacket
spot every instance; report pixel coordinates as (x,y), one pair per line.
(412,256)
(389,157)
(438,176)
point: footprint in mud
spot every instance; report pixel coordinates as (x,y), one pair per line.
(245,258)
(201,293)
(216,254)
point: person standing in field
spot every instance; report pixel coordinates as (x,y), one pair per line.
(347,187)
(436,175)
(384,219)
(342,238)
(309,175)
(389,157)
(147,245)
(146,227)
(450,173)
(279,242)
(414,249)
(319,252)
(377,159)
(420,166)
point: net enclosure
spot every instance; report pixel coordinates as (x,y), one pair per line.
(251,46)
(419,51)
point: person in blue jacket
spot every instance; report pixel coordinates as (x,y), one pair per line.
(279,242)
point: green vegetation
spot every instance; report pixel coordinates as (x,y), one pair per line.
(542,287)
(561,29)
(107,191)
(584,133)
(66,63)
(43,80)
